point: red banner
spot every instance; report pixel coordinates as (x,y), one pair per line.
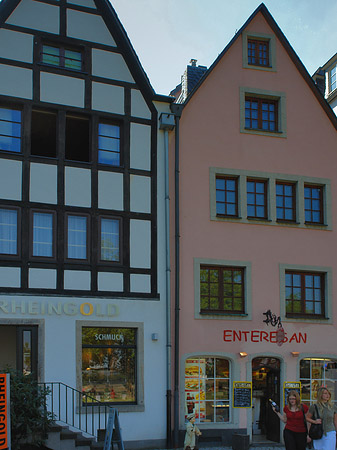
(4,412)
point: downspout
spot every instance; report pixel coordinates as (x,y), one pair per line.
(167,123)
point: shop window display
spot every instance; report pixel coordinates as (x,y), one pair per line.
(317,372)
(207,389)
(109,364)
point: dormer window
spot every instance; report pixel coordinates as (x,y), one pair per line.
(61,56)
(333,79)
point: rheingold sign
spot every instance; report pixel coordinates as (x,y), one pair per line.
(5,417)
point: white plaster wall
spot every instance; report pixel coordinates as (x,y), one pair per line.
(140,194)
(140,283)
(43,183)
(16,81)
(88,27)
(42,278)
(140,146)
(36,15)
(140,243)
(61,89)
(139,107)
(110,65)
(10,179)
(109,281)
(10,277)
(15,45)
(110,190)
(77,279)
(107,98)
(77,187)
(86,3)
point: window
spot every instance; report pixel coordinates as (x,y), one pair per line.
(317,372)
(10,130)
(77,237)
(261,114)
(256,199)
(43,133)
(333,79)
(8,231)
(222,290)
(207,389)
(109,144)
(109,239)
(43,234)
(227,196)
(258,52)
(109,358)
(61,57)
(285,202)
(77,138)
(313,204)
(305,293)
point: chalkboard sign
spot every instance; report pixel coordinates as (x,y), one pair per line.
(290,386)
(242,394)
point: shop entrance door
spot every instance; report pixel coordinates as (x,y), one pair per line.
(21,348)
(266,385)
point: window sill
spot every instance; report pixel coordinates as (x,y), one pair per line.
(306,317)
(223,216)
(259,130)
(259,219)
(315,224)
(218,313)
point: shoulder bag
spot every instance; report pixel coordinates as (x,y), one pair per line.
(316,429)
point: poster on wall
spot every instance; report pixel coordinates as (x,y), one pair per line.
(195,371)
(242,394)
(290,386)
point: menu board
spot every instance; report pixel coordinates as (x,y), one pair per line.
(242,394)
(290,386)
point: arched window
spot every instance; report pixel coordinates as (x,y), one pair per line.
(207,389)
(317,372)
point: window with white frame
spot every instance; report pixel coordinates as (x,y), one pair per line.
(109,239)
(77,236)
(333,79)
(43,234)
(8,231)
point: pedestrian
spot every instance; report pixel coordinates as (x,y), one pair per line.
(295,431)
(327,417)
(191,432)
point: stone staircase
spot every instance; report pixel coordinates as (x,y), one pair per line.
(63,438)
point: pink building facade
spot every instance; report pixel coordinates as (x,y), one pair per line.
(257,238)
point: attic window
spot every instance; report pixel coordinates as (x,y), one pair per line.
(258,52)
(60,56)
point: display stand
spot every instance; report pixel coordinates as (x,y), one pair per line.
(113,433)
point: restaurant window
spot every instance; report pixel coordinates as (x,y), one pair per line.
(109,361)
(77,237)
(256,199)
(109,144)
(109,239)
(258,52)
(207,389)
(10,130)
(285,202)
(9,231)
(317,372)
(43,224)
(305,294)
(222,290)
(226,196)
(313,204)
(60,56)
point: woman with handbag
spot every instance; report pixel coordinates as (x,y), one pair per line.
(323,412)
(295,431)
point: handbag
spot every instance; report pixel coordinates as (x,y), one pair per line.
(316,429)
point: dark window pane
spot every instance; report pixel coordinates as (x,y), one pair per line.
(43,134)
(77,139)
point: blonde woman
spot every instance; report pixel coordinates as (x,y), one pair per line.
(295,431)
(328,418)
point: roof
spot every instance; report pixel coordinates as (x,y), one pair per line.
(288,48)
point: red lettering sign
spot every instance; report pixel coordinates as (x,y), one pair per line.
(5,418)
(260,336)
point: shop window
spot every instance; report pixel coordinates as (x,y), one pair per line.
(207,389)
(222,290)
(226,196)
(317,372)
(43,234)
(60,56)
(304,294)
(109,357)
(43,133)
(256,199)
(285,202)
(77,147)
(109,144)
(258,52)
(313,204)
(9,231)
(109,239)
(77,237)
(10,130)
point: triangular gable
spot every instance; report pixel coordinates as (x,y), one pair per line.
(288,48)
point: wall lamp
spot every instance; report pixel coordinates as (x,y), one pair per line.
(295,354)
(243,354)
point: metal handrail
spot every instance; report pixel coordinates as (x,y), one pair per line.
(73,407)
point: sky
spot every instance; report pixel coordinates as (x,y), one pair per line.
(167,34)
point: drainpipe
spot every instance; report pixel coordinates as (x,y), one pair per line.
(166,123)
(176,109)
